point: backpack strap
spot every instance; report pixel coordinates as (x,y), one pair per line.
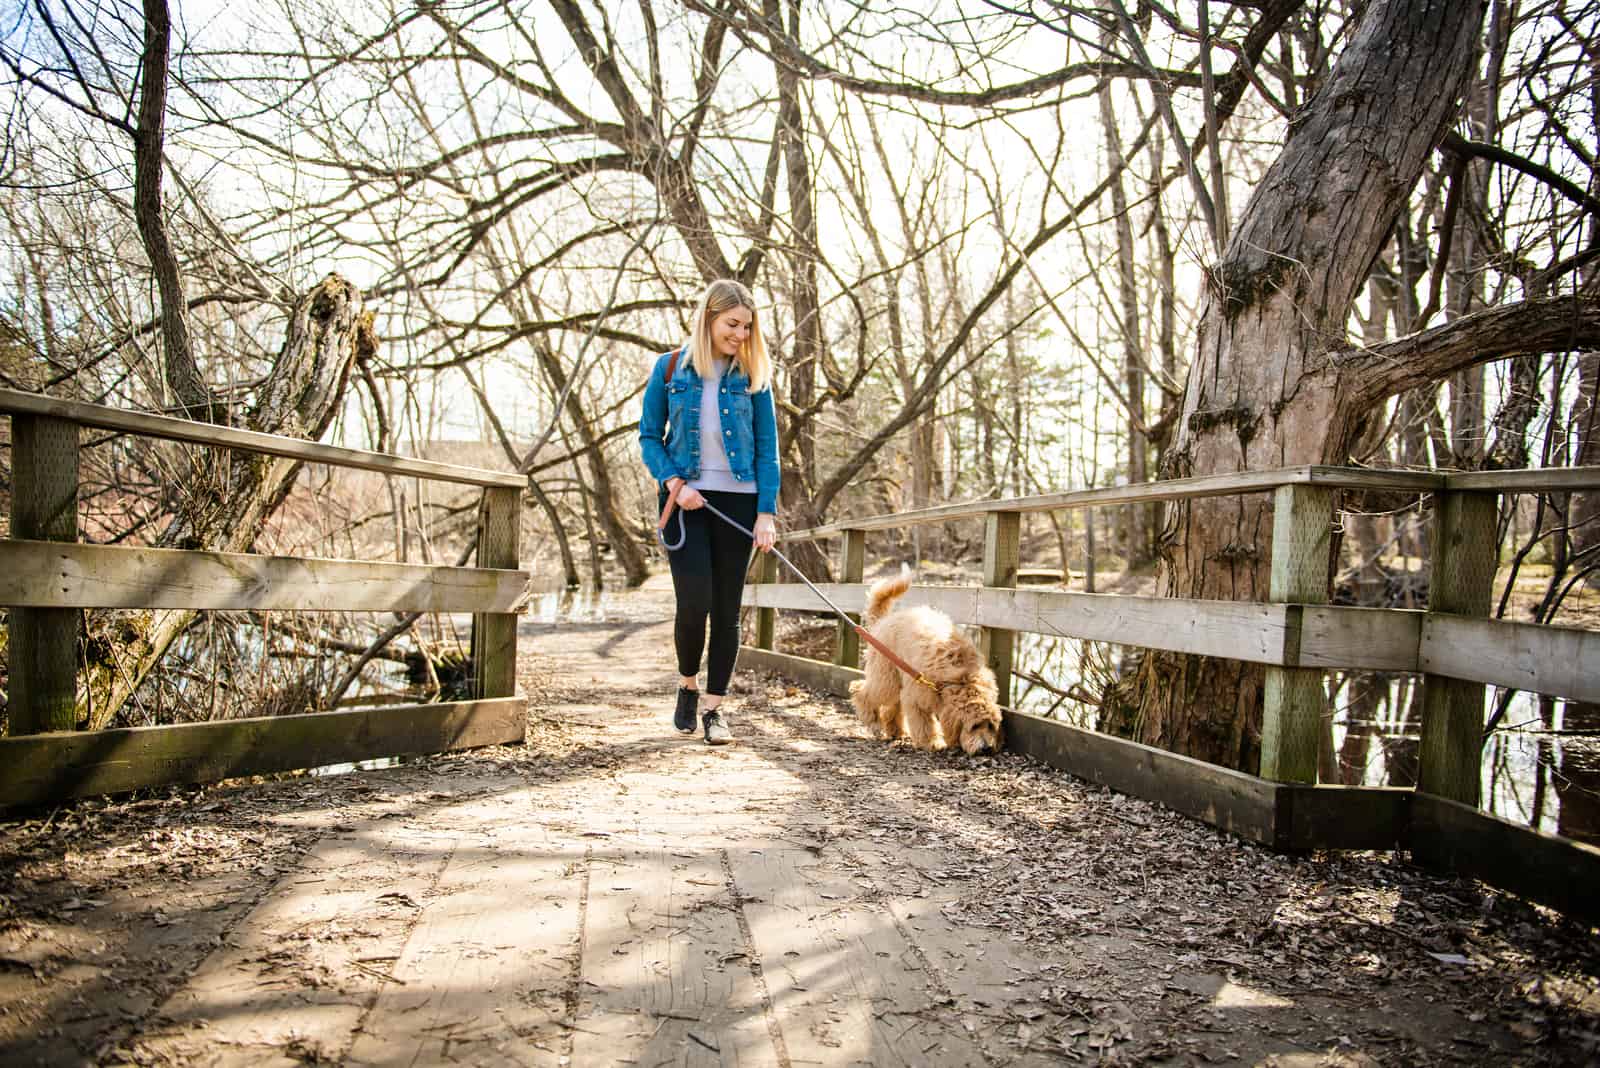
(672,365)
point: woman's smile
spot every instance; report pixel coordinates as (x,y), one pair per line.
(730,331)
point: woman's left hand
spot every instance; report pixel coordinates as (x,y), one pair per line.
(766,531)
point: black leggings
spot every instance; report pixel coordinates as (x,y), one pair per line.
(708,578)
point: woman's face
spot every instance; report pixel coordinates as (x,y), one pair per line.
(730,330)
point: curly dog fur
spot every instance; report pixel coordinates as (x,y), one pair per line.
(963,712)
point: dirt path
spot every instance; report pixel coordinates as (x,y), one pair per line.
(613,893)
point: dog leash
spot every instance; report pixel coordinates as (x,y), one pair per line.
(888,654)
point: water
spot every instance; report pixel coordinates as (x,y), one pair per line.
(568,605)
(375,764)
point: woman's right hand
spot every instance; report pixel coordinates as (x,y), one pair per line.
(686,495)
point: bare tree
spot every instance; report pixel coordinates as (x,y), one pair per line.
(1273,381)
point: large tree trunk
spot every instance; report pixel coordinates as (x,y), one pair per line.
(231,495)
(806,359)
(1262,391)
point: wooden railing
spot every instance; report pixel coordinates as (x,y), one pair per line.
(47,577)
(1298,636)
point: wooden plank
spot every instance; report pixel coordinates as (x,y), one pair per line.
(117,576)
(1294,698)
(766,618)
(43,641)
(1527,480)
(44,768)
(485,971)
(1001,553)
(341,916)
(666,968)
(174,429)
(852,562)
(1366,478)
(1175,489)
(1465,555)
(494,634)
(1564,661)
(1231,800)
(1342,817)
(824,678)
(845,981)
(1242,630)
(1375,639)
(1551,870)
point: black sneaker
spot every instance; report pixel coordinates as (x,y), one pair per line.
(717,732)
(683,715)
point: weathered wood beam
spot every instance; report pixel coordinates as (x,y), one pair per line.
(1461,583)
(1527,480)
(1291,720)
(852,563)
(38,573)
(1002,540)
(43,638)
(766,618)
(1234,801)
(494,632)
(42,769)
(1564,661)
(1551,870)
(1328,636)
(174,429)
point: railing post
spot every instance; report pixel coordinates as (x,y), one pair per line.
(766,618)
(1001,551)
(1461,581)
(494,634)
(44,641)
(852,566)
(1291,724)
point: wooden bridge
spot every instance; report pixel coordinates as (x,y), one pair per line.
(585,887)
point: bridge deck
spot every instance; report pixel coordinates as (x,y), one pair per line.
(616,894)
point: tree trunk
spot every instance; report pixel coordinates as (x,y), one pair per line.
(1262,390)
(806,358)
(182,374)
(1468,257)
(799,500)
(1136,519)
(1585,517)
(231,496)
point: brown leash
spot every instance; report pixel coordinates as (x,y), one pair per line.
(888,654)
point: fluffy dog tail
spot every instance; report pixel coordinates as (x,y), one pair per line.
(882,596)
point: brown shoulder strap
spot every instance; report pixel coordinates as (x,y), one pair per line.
(672,364)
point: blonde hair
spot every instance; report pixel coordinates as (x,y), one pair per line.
(719,296)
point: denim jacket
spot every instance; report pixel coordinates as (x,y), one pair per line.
(669,428)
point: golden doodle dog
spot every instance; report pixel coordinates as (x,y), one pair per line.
(961,712)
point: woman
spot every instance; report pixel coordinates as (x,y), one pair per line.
(709,435)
